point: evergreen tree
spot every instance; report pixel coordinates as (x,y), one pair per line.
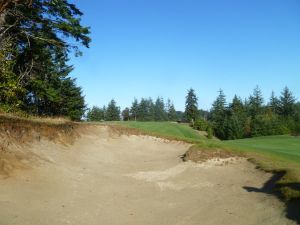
(172,115)
(104,109)
(143,110)
(96,114)
(39,37)
(150,110)
(234,128)
(237,105)
(112,111)
(134,109)
(168,105)
(71,100)
(191,106)
(160,113)
(287,103)
(267,124)
(204,114)
(256,102)
(296,130)
(274,103)
(126,114)
(236,119)
(218,114)
(219,107)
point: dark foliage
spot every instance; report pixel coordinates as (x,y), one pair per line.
(35,39)
(191,106)
(252,118)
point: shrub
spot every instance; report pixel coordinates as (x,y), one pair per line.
(201,125)
(209,132)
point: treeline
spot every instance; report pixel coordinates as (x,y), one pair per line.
(35,43)
(144,110)
(237,119)
(252,117)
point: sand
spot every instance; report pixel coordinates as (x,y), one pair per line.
(136,180)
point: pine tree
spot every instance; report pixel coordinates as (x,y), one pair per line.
(218,114)
(297,119)
(112,111)
(96,114)
(126,114)
(172,115)
(274,103)
(191,106)
(233,127)
(134,109)
(71,100)
(237,105)
(256,102)
(40,36)
(143,110)
(219,107)
(236,119)
(287,103)
(160,113)
(168,105)
(150,110)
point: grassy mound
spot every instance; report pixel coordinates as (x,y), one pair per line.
(173,131)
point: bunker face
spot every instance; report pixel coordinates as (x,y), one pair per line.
(133,180)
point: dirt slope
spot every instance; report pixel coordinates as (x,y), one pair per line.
(134,180)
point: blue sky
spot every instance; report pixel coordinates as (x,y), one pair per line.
(150,48)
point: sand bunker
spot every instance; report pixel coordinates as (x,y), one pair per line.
(134,180)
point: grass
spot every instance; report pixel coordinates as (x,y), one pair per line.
(25,129)
(33,119)
(285,147)
(169,130)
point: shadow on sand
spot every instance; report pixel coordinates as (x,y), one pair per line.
(270,187)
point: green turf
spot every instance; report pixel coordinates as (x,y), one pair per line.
(286,147)
(166,129)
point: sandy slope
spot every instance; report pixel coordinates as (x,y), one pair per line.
(135,181)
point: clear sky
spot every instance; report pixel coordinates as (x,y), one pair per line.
(150,48)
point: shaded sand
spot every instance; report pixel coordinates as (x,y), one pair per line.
(107,180)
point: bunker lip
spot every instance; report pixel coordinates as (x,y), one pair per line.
(203,155)
(111,178)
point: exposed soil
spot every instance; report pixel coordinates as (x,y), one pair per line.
(106,178)
(193,154)
(17,136)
